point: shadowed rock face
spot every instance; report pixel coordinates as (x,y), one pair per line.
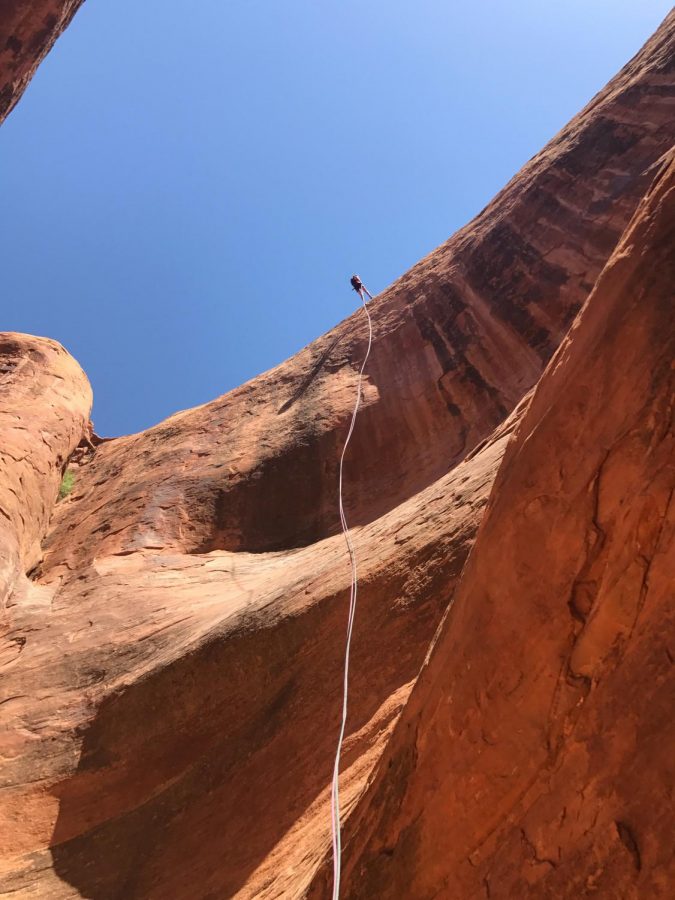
(28,31)
(169,724)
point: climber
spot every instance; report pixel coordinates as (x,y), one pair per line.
(359,287)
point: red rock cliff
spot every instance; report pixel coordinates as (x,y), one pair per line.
(170,720)
(534,757)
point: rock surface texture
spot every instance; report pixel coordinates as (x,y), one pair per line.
(172,631)
(534,757)
(45,401)
(28,31)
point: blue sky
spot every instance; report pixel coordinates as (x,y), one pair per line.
(187,186)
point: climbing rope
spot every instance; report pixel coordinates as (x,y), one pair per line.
(335,791)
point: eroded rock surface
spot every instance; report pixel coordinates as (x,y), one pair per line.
(45,400)
(168,728)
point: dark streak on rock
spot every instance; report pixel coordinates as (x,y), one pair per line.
(512,275)
(14,44)
(628,839)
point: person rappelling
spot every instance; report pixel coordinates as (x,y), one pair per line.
(360,287)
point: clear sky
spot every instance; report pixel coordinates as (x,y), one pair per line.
(187,186)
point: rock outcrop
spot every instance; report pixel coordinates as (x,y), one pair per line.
(45,400)
(27,34)
(169,724)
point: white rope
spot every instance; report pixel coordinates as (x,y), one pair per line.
(335,792)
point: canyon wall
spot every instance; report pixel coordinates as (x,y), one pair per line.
(172,632)
(533,758)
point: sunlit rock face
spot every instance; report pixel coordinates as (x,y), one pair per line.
(533,756)
(172,629)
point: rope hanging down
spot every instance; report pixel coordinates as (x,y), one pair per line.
(335,790)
